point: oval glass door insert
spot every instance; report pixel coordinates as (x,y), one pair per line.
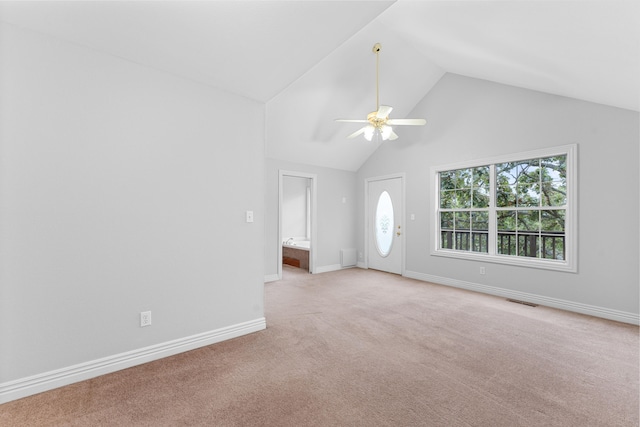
(384,224)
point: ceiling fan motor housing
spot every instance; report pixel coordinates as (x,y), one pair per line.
(376,121)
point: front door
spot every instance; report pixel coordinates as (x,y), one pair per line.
(385,230)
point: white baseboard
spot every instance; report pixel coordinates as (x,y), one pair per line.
(328,268)
(361,265)
(23,387)
(592,310)
(271,278)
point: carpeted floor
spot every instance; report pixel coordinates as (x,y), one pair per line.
(364,348)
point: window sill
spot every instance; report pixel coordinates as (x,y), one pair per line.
(546,264)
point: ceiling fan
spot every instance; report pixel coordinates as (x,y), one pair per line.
(380,125)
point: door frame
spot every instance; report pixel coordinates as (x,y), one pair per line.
(314,211)
(402,177)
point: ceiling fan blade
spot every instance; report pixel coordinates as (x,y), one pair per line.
(405,122)
(383,111)
(392,136)
(358,132)
(352,120)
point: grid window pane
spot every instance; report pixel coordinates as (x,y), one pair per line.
(446,230)
(554,168)
(528,245)
(554,193)
(480,221)
(446,220)
(506,195)
(506,173)
(462,240)
(507,243)
(462,220)
(528,194)
(553,247)
(552,221)
(447,199)
(528,171)
(528,221)
(463,199)
(480,233)
(446,239)
(481,177)
(481,198)
(507,221)
(447,181)
(464,178)
(480,242)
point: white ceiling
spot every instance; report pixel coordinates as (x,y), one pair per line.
(311,61)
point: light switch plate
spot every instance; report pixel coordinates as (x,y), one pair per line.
(249,216)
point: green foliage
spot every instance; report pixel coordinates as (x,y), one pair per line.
(465,188)
(532,183)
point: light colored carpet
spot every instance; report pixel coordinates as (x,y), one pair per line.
(364,348)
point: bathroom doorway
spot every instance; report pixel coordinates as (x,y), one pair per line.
(297,212)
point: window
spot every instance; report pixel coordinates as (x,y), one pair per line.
(516,210)
(464,209)
(384,225)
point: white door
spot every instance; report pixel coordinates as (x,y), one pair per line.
(385,229)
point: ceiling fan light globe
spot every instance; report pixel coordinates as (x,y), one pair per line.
(368,132)
(385,131)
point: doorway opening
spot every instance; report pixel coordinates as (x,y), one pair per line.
(297,220)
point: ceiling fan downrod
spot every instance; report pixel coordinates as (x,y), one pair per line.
(376,50)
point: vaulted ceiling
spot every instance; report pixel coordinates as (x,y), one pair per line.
(311,62)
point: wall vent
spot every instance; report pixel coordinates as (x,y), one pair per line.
(347,257)
(530,304)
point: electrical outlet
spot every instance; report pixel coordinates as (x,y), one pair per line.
(145,318)
(482,270)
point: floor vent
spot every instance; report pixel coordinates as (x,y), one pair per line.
(530,304)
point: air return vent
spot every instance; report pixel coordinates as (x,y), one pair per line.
(530,304)
(347,257)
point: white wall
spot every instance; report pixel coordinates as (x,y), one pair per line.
(115,200)
(336,227)
(473,119)
(294,206)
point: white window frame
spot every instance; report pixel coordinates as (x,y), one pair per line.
(569,264)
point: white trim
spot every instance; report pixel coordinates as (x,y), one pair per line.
(16,389)
(592,310)
(332,267)
(362,265)
(571,219)
(314,214)
(271,278)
